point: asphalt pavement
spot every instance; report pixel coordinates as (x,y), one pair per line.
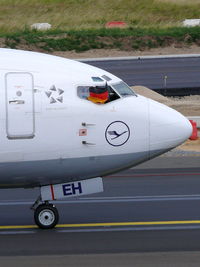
(141,210)
(176,76)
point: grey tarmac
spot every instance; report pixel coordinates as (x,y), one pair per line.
(155,73)
(169,191)
(164,259)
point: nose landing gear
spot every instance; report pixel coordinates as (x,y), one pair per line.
(45,215)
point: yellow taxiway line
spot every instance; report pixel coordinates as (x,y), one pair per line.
(109,224)
(129,223)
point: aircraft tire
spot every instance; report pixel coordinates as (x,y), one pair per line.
(46,216)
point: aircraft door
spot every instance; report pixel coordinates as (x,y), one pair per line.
(20,115)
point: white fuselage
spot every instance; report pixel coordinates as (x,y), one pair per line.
(50,135)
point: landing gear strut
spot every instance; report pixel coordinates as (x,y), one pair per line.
(45,215)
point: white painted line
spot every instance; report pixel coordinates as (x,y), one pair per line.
(111,200)
(140,197)
(137,57)
(17,232)
(134,229)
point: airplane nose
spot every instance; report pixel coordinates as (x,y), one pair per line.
(168,128)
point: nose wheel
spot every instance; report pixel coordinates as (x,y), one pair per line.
(46,216)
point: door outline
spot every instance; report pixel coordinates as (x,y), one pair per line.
(21,136)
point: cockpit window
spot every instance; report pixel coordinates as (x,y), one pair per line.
(106,78)
(97,94)
(97,79)
(123,89)
(83,92)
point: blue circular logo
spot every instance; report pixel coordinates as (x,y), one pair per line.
(117,133)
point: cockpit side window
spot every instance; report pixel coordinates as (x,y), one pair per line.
(112,94)
(123,89)
(83,92)
(97,94)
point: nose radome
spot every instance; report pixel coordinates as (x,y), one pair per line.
(168,128)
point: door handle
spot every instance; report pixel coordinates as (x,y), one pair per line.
(17,102)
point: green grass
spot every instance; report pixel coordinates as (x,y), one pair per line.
(80,24)
(82,40)
(84,14)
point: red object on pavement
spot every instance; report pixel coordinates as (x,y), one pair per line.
(194,135)
(116,24)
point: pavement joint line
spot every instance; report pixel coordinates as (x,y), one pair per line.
(109,224)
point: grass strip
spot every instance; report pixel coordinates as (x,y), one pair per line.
(132,38)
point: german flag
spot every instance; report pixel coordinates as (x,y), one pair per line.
(98,94)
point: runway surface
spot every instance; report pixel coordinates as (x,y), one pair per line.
(157,73)
(141,210)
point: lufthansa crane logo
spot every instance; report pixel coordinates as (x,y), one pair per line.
(117,133)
